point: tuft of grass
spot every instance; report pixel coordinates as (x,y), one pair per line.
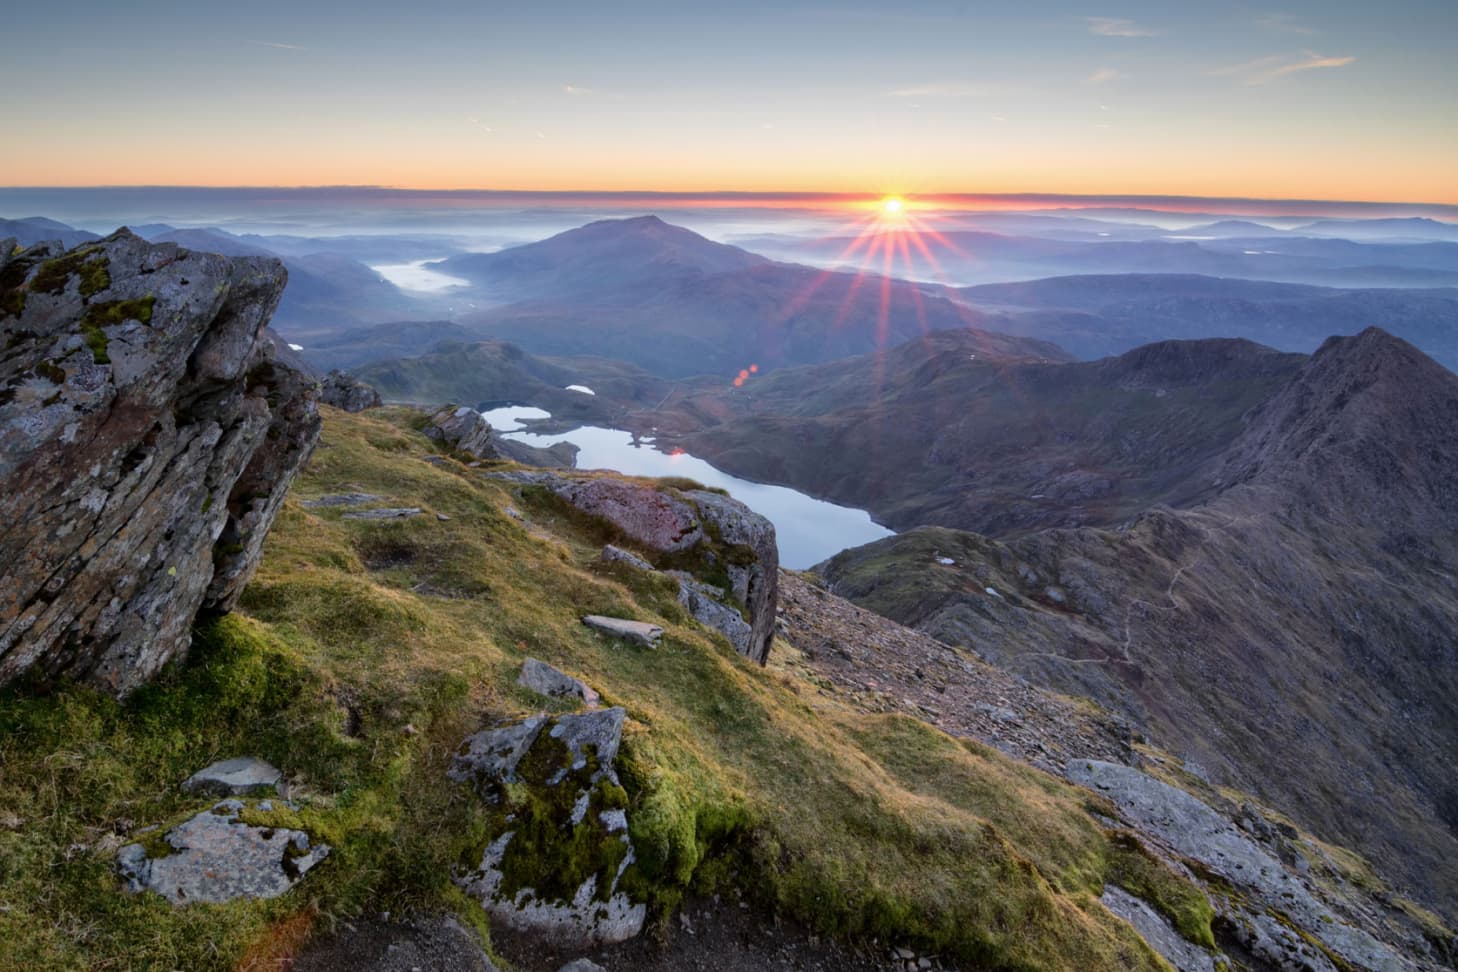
(1136,870)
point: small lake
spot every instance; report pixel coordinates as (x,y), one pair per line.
(808,530)
(508,418)
(418,277)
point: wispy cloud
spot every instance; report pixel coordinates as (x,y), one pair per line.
(1118,27)
(276,45)
(1283,23)
(578,91)
(1103,75)
(1267,69)
(946,89)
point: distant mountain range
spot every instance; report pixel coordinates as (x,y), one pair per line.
(677,304)
(1094,316)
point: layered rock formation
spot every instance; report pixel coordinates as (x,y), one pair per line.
(148,434)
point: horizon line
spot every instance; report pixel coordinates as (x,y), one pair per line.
(1167,201)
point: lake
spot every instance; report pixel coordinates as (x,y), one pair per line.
(808,530)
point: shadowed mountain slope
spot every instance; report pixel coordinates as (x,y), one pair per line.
(1294,634)
(945,430)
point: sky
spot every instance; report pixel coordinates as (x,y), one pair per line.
(1318,99)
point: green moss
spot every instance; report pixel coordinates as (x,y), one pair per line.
(1133,868)
(546,855)
(53,275)
(51,372)
(110,313)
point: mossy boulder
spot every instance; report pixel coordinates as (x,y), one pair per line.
(558,842)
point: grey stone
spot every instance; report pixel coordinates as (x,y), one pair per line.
(582,965)
(638,632)
(462,429)
(617,555)
(395,513)
(340,499)
(589,733)
(755,584)
(490,757)
(216,857)
(1155,929)
(139,472)
(584,762)
(239,776)
(1196,831)
(342,390)
(703,602)
(546,680)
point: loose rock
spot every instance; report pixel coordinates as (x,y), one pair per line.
(638,632)
(546,680)
(216,857)
(240,776)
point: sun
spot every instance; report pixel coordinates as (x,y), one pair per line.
(893,205)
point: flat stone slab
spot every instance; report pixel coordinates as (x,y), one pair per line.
(399,513)
(341,499)
(638,632)
(239,776)
(546,680)
(216,857)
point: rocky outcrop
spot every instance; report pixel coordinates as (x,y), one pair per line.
(558,843)
(342,390)
(215,857)
(461,428)
(661,520)
(705,603)
(751,559)
(1275,915)
(148,434)
(716,538)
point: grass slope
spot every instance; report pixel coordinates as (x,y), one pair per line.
(364,652)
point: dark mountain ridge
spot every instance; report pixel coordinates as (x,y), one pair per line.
(940,431)
(1293,633)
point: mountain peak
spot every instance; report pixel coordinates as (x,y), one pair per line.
(1369,423)
(601,254)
